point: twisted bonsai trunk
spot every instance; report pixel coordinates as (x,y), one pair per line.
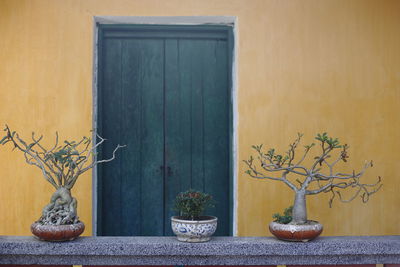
(61,210)
(61,166)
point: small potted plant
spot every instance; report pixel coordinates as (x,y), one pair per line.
(318,177)
(191,225)
(61,165)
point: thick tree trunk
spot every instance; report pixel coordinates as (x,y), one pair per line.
(299,208)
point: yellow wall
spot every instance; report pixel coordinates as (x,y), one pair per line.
(304,66)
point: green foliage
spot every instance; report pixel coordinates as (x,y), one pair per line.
(308,147)
(276,160)
(325,139)
(285,218)
(68,156)
(191,204)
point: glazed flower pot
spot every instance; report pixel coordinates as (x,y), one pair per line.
(194,231)
(57,232)
(293,232)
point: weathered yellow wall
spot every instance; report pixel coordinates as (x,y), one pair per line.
(304,66)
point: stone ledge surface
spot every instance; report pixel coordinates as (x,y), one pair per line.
(219,251)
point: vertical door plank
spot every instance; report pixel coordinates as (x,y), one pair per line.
(111,104)
(173,137)
(177,129)
(216,129)
(131,137)
(151,71)
(195,50)
(183,152)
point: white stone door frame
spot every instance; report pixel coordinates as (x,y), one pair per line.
(172,20)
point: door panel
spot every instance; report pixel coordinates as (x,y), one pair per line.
(168,99)
(133,115)
(216,130)
(177,128)
(197,128)
(200,159)
(131,136)
(194,51)
(112,96)
(151,143)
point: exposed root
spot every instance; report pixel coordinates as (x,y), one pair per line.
(62,209)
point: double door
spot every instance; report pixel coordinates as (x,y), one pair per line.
(165,93)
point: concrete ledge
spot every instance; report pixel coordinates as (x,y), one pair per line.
(219,251)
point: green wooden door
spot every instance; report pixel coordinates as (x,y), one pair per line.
(165,92)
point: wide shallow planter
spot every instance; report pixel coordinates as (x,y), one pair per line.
(292,232)
(57,232)
(194,231)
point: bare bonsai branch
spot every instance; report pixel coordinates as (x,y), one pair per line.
(274,166)
(28,150)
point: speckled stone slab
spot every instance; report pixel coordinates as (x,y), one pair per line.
(218,251)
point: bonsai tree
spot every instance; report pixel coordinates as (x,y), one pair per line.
(191,204)
(61,165)
(319,177)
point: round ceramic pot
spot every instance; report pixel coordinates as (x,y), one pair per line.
(57,232)
(194,231)
(292,232)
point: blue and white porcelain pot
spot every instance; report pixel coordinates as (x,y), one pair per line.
(194,231)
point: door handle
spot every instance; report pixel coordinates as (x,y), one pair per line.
(169,171)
